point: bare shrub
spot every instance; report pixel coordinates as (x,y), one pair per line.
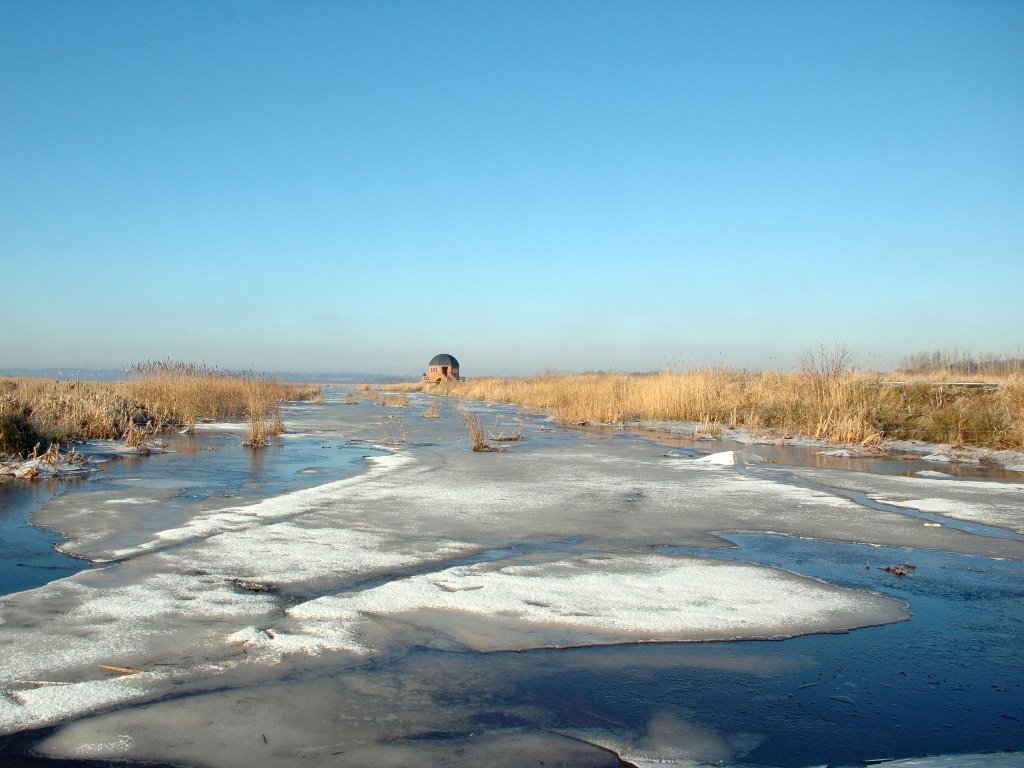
(499,435)
(827,362)
(708,427)
(393,431)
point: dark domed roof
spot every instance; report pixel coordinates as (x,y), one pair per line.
(448,360)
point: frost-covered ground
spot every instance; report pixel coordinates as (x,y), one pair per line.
(449,607)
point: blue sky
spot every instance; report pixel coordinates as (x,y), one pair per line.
(339,186)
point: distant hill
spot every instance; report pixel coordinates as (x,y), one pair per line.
(341,378)
(115,374)
(78,374)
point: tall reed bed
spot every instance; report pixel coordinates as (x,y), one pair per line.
(157,397)
(39,412)
(183,394)
(822,402)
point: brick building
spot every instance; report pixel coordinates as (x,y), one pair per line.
(442,369)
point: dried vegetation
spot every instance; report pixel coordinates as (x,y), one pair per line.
(825,399)
(157,397)
(476,429)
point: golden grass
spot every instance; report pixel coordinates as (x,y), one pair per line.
(160,396)
(399,400)
(818,402)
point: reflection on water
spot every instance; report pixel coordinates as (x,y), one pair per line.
(950,680)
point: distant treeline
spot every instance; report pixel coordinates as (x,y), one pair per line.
(967,363)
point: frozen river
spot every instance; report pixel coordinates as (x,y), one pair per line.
(372,592)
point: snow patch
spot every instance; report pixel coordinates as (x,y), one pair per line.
(50,703)
(720,459)
(284,552)
(951,458)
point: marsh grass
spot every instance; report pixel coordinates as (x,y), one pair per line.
(264,422)
(825,402)
(475,427)
(42,411)
(158,397)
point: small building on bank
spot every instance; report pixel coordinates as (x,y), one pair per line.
(441,369)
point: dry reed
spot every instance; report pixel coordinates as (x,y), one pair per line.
(476,429)
(159,397)
(818,401)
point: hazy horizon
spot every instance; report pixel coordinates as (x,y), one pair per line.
(537,186)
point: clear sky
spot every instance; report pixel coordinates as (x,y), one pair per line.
(356,186)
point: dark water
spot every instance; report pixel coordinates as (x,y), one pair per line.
(27,555)
(950,680)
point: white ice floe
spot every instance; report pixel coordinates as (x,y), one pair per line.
(221,426)
(169,595)
(989,760)
(89,622)
(721,459)
(728,459)
(952,458)
(283,553)
(46,703)
(276,508)
(606,599)
(315,637)
(996,504)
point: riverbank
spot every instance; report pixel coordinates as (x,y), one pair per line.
(840,407)
(36,414)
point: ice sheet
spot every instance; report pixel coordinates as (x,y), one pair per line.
(558,542)
(607,599)
(999,504)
